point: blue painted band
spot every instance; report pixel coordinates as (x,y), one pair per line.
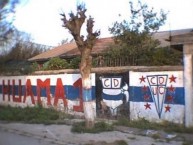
(137,94)
(71,92)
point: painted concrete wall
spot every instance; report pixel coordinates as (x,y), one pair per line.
(157,96)
(61,91)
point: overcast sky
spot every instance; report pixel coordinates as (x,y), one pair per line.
(41,18)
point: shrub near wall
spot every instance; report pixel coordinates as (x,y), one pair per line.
(56,63)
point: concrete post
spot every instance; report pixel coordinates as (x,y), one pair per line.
(188,51)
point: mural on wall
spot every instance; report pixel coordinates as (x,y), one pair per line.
(62,91)
(157,95)
(114,92)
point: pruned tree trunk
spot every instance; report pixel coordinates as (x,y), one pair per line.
(74,25)
(85,70)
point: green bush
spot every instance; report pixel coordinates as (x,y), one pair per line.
(94,62)
(55,63)
(35,66)
(75,62)
(27,69)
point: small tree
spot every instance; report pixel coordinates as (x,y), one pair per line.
(85,45)
(134,36)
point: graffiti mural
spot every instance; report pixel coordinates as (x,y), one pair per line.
(157,95)
(62,91)
(114,92)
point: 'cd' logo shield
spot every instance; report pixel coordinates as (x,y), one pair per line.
(157,86)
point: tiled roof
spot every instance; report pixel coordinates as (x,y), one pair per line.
(102,44)
(57,51)
(71,49)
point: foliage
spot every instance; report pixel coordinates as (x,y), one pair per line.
(94,62)
(36,114)
(35,66)
(166,56)
(26,69)
(25,50)
(31,115)
(98,127)
(15,67)
(134,36)
(153,57)
(55,63)
(159,56)
(75,62)
(141,123)
(142,22)
(16,59)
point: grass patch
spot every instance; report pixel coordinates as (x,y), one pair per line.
(120,142)
(117,142)
(36,114)
(145,124)
(131,138)
(187,143)
(156,136)
(141,123)
(98,127)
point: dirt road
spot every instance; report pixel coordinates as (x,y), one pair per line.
(38,134)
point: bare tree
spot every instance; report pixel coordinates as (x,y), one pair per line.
(7,8)
(74,25)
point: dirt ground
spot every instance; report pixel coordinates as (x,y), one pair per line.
(62,135)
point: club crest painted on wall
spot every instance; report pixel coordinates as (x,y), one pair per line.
(159,89)
(114,92)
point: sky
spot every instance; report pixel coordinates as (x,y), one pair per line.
(42,20)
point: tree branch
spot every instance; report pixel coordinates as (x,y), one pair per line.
(91,38)
(74,25)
